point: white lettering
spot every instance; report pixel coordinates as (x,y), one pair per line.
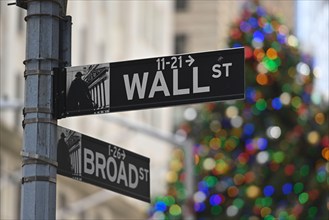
(227,65)
(116,171)
(133,169)
(88,161)
(100,164)
(110,161)
(146,174)
(159,88)
(130,89)
(196,88)
(178,91)
(141,174)
(214,69)
(122,174)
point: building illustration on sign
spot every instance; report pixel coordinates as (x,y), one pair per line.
(87,89)
(69,153)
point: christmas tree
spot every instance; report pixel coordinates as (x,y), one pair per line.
(265,157)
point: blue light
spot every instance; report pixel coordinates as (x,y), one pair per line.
(268,190)
(248,129)
(287,188)
(261,11)
(258,36)
(245,26)
(253,22)
(237,45)
(268,28)
(276,104)
(199,207)
(262,143)
(249,145)
(250,95)
(215,200)
(281,38)
(203,187)
(160,206)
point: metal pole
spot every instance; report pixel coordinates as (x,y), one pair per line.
(39,154)
(189,182)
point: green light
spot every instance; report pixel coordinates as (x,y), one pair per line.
(180,192)
(216,210)
(269,217)
(267,201)
(169,200)
(298,188)
(175,210)
(258,202)
(321,177)
(211,181)
(303,198)
(296,102)
(283,215)
(276,46)
(278,157)
(238,203)
(286,88)
(312,211)
(304,171)
(292,217)
(264,202)
(261,104)
(270,64)
(277,61)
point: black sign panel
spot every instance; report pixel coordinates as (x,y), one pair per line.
(96,162)
(176,80)
(155,82)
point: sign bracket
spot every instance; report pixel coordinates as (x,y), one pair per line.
(59,87)
(37,157)
(38,178)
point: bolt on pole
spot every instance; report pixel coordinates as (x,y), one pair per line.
(39,153)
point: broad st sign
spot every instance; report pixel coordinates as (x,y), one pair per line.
(154,82)
(102,164)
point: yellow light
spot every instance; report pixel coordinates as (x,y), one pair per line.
(313,137)
(271,53)
(292,41)
(319,118)
(253,191)
(232,111)
(265,211)
(171,177)
(215,143)
(209,164)
(221,167)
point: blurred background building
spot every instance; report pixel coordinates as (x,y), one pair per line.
(108,31)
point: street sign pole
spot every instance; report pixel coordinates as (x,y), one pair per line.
(43,53)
